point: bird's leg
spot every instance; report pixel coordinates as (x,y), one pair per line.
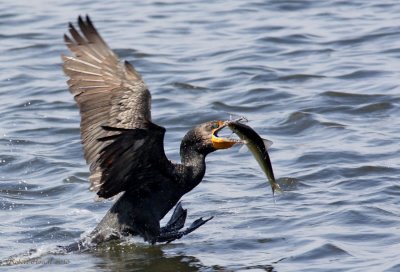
(170,232)
(174,235)
(177,220)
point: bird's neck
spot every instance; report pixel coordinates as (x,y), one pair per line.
(194,166)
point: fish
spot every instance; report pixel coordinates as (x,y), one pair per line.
(258,147)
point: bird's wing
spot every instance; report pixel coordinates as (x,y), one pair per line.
(109,93)
(132,160)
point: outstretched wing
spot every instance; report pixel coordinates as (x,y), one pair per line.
(109,93)
(132,159)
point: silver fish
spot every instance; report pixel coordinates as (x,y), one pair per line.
(258,148)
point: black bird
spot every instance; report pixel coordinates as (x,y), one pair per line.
(125,149)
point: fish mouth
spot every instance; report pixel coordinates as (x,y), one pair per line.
(220,141)
(241,119)
(223,141)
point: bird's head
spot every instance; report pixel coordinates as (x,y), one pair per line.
(204,138)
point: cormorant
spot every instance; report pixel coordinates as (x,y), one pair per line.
(125,149)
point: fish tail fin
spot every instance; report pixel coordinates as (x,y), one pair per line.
(276,188)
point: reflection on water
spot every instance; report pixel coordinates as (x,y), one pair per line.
(117,256)
(319,79)
(142,258)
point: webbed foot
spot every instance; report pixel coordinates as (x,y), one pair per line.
(177,220)
(196,224)
(170,232)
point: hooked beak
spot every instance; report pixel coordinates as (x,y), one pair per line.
(221,142)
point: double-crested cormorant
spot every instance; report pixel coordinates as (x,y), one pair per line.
(125,149)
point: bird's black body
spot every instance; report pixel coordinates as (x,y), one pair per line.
(125,149)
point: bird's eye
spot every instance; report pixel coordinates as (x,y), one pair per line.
(215,125)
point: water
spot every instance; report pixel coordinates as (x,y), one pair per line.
(318,78)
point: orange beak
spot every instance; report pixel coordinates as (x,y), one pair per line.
(221,142)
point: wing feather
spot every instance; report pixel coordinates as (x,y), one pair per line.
(109,93)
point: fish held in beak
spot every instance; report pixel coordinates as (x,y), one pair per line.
(258,147)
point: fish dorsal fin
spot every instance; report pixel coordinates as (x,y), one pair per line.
(267,143)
